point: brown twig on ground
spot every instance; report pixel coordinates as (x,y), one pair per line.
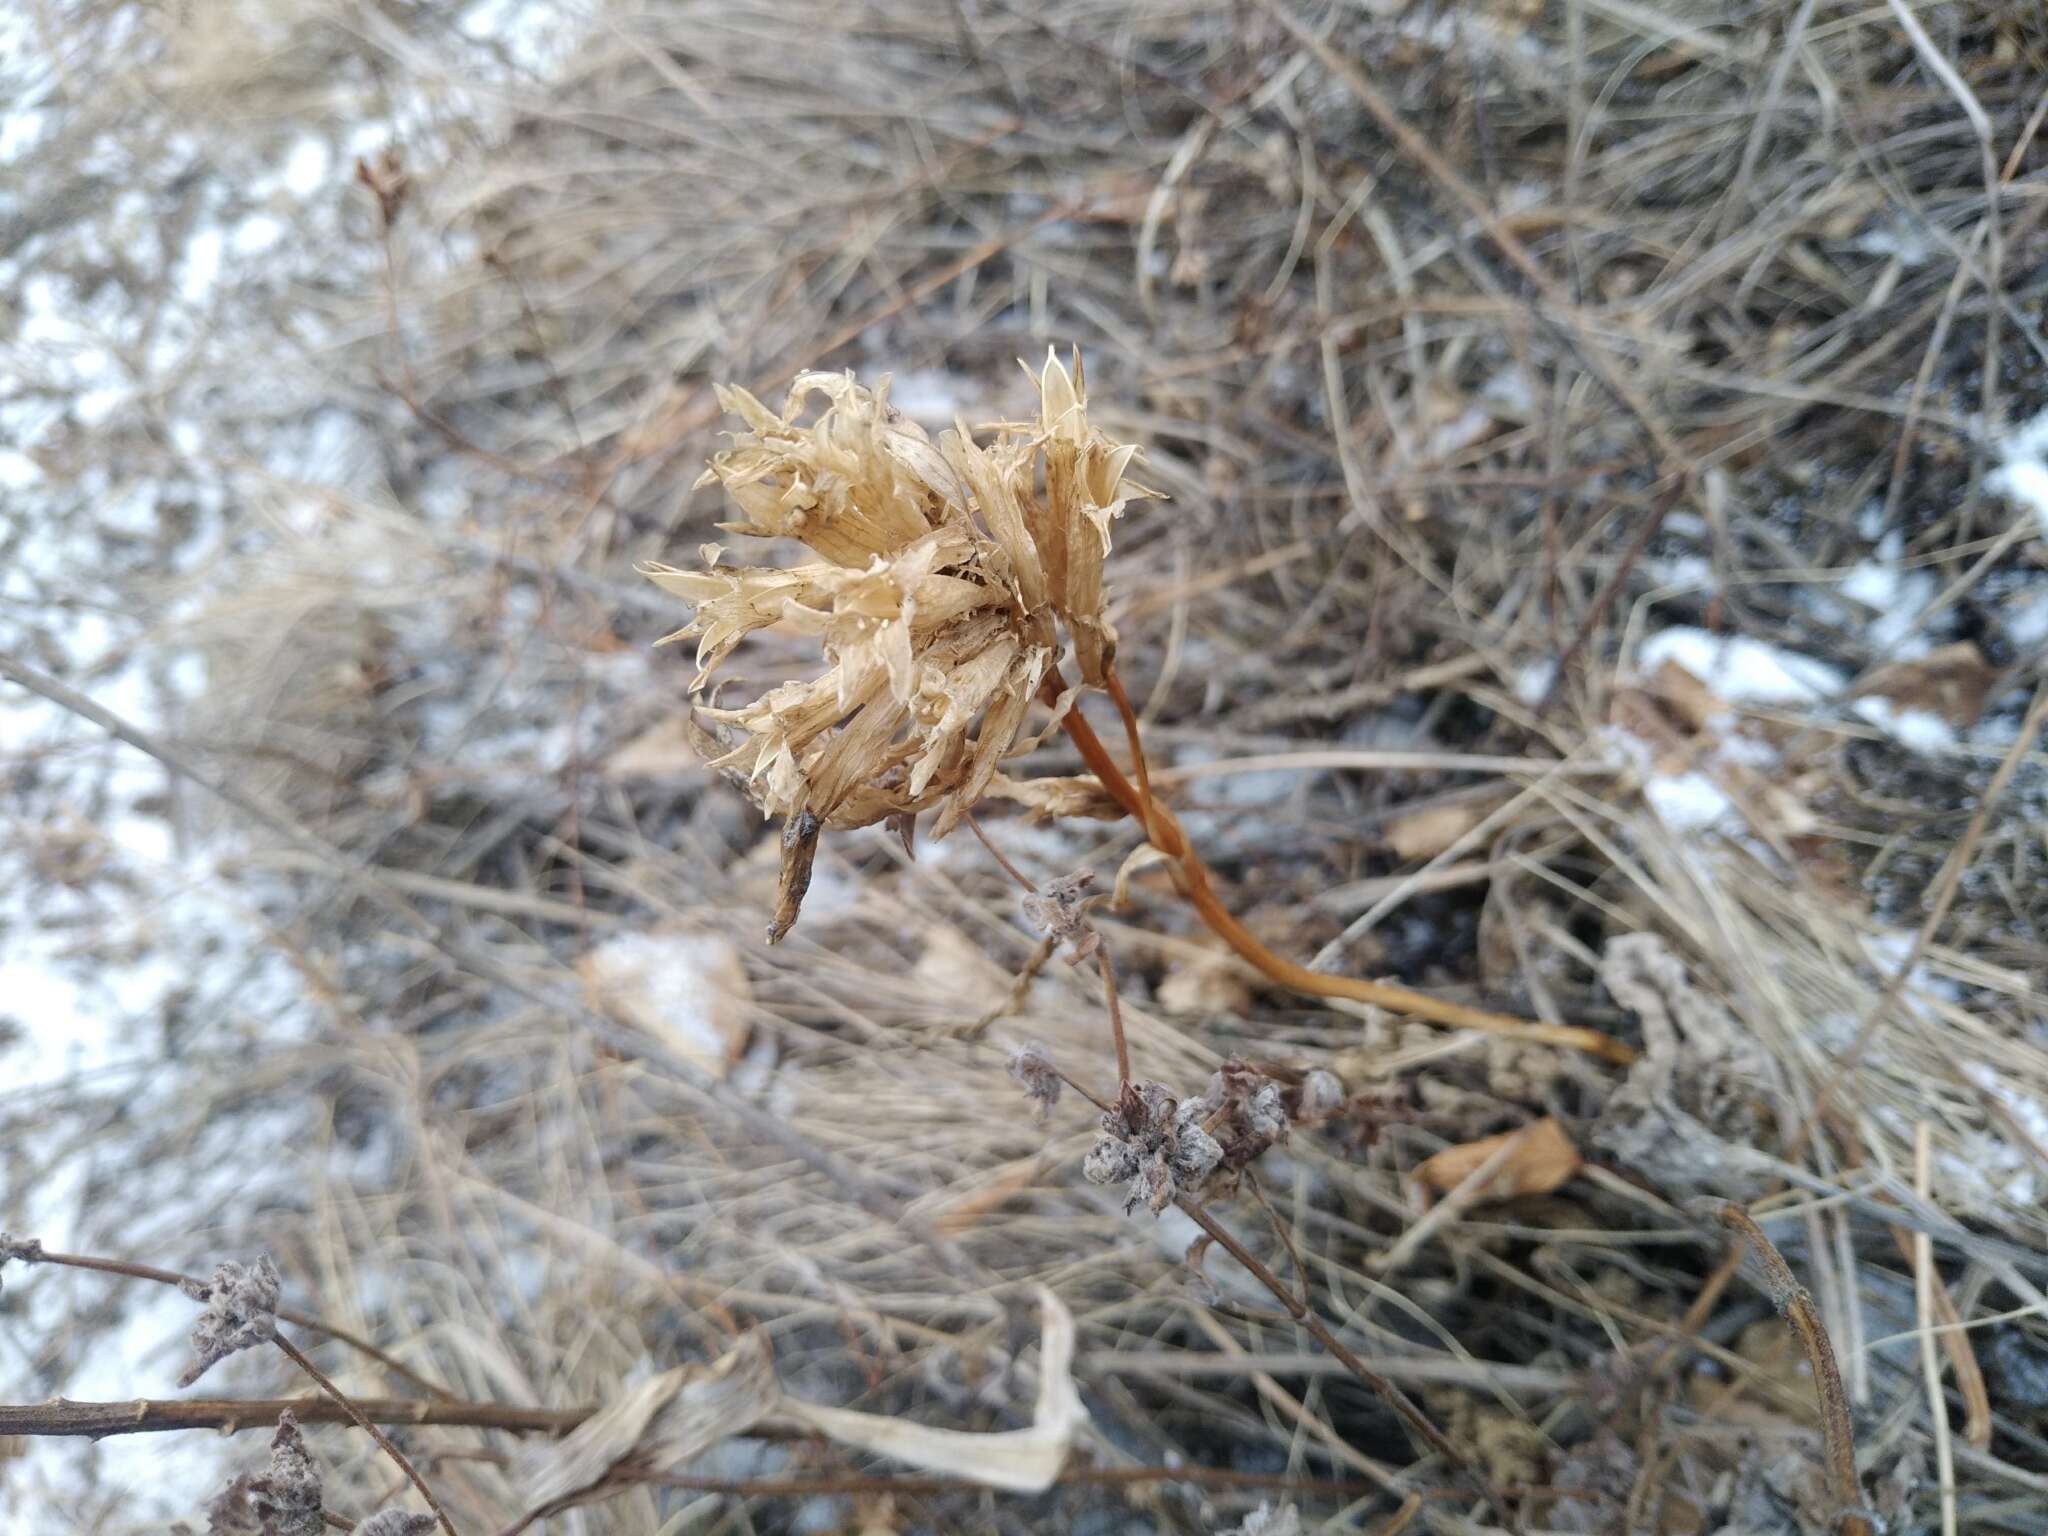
(1166,835)
(1795,1304)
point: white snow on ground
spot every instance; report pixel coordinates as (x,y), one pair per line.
(2022,473)
(931,397)
(1534,680)
(1740,670)
(1917,730)
(1895,598)
(112,916)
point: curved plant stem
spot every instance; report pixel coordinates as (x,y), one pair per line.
(1164,831)
(362,1422)
(1796,1306)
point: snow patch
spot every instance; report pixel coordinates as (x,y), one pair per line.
(1741,670)
(1917,730)
(2022,473)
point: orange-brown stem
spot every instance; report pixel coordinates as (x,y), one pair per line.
(1795,1305)
(1164,831)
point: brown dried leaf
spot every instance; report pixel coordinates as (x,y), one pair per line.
(1540,1159)
(1686,698)
(1952,682)
(1212,980)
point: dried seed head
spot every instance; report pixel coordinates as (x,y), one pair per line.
(1031,1066)
(285,1501)
(942,582)
(1156,1146)
(1058,912)
(241,1313)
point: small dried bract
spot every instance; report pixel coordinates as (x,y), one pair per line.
(396,1522)
(27,1249)
(945,576)
(1165,1148)
(1156,1146)
(1058,912)
(241,1313)
(285,1501)
(1032,1067)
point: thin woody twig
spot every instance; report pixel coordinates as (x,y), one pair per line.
(297,1357)
(1795,1304)
(141,1416)
(1403,1405)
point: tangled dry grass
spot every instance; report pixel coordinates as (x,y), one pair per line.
(1475,348)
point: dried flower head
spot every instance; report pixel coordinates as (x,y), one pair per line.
(241,1313)
(1246,1113)
(944,578)
(285,1501)
(396,1522)
(1165,1148)
(1058,912)
(1156,1146)
(1031,1065)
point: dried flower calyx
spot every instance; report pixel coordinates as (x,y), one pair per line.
(944,578)
(1163,1148)
(1059,912)
(241,1313)
(285,1501)
(1156,1146)
(1031,1066)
